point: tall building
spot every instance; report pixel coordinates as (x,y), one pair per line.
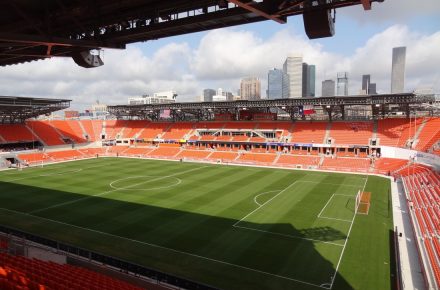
(275,89)
(372,89)
(222,95)
(328,88)
(398,70)
(308,80)
(250,88)
(365,84)
(342,84)
(293,68)
(208,94)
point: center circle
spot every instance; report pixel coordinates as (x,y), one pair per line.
(145,182)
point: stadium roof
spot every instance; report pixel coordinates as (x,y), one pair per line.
(32,30)
(379,104)
(18,109)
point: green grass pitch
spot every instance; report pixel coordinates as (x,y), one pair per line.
(231,227)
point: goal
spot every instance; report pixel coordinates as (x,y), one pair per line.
(363,202)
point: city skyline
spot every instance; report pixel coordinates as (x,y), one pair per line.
(189,63)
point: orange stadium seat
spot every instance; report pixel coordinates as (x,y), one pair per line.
(113,128)
(45,132)
(429,135)
(309,132)
(422,186)
(33,157)
(154,130)
(196,154)
(17,272)
(385,165)
(298,160)
(346,164)
(12,133)
(64,155)
(240,125)
(164,151)
(91,152)
(390,132)
(351,132)
(69,129)
(137,151)
(88,126)
(117,149)
(178,131)
(229,156)
(133,128)
(257,157)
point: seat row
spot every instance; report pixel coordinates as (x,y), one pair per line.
(390,132)
(17,272)
(422,186)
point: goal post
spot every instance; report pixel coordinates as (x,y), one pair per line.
(363,199)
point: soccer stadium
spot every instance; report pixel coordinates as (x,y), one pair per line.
(338,192)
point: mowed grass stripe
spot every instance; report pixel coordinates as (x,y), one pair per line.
(108,191)
(203,207)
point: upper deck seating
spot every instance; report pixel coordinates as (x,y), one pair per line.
(13,133)
(178,131)
(46,132)
(133,128)
(390,132)
(309,132)
(429,135)
(154,130)
(351,132)
(69,129)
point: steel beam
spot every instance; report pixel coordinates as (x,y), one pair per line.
(258,11)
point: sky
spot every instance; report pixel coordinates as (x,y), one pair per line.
(219,58)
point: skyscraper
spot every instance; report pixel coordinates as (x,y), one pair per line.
(365,84)
(250,89)
(275,82)
(328,88)
(372,89)
(208,94)
(342,84)
(293,68)
(398,70)
(308,80)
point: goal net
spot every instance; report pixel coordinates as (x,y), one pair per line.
(363,202)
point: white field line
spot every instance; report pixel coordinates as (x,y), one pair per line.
(110,191)
(54,174)
(336,219)
(322,210)
(326,183)
(330,218)
(265,202)
(289,236)
(258,195)
(170,249)
(346,241)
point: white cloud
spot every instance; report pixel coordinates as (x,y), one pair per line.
(220,59)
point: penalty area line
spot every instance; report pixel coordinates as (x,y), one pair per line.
(171,250)
(346,241)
